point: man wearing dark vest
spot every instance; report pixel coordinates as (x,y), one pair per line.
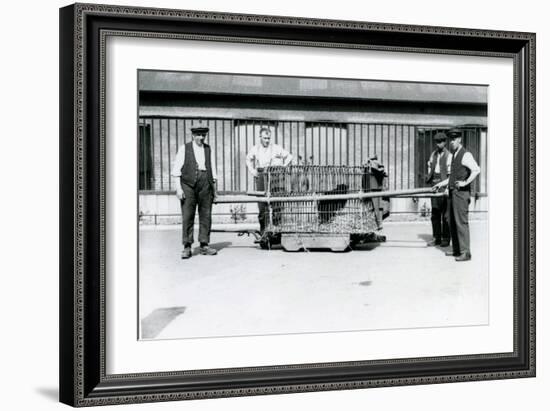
(439,166)
(464,170)
(195,178)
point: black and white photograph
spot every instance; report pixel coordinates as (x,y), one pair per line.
(266,204)
(291,205)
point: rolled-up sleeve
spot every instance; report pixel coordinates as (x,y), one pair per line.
(469,162)
(213,165)
(287,157)
(178,162)
(251,159)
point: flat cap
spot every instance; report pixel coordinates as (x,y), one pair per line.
(199,130)
(455,132)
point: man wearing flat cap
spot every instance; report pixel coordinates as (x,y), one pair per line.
(194,172)
(464,170)
(439,166)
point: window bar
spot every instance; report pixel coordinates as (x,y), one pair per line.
(417,140)
(153,185)
(326,146)
(388,149)
(215,143)
(236,158)
(362,160)
(394,155)
(169,155)
(339,145)
(319,144)
(232,125)
(486,159)
(368,141)
(347,142)
(183,138)
(247,124)
(161,155)
(305,145)
(141,156)
(333,145)
(223,155)
(382,146)
(375,138)
(410,154)
(402,159)
(290,133)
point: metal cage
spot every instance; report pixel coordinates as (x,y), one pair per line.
(328,206)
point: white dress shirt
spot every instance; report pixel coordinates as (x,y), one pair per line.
(435,161)
(272,155)
(468,160)
(199,158)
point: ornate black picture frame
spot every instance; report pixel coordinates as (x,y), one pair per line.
(83,31)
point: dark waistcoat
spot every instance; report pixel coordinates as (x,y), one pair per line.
(190,169)
(458,171)
(442,165)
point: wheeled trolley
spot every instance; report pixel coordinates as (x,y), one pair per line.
(315,207)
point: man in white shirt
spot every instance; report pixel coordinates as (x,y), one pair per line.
(464,170)
(259,157)
(194,174)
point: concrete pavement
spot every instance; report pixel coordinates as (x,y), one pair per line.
(248,291)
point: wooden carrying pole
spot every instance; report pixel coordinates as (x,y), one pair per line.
(319,197)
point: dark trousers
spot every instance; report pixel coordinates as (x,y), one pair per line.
(440,220)
(263,209)
(201,195)
(458,220)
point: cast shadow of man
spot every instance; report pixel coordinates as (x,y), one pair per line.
(427,238)
(217,246)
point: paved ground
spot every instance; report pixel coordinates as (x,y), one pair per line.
(248,291)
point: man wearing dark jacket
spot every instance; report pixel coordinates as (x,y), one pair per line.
(195,177)
(439,166)
(464,170)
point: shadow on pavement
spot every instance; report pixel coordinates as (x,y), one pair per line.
(218,246)
(427,238)
(154,323)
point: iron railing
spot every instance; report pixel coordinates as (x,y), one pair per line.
(403,148)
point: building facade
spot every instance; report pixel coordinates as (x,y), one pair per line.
(320,121)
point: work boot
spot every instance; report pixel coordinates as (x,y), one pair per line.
(186,253)
(205,250)
(464,257)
